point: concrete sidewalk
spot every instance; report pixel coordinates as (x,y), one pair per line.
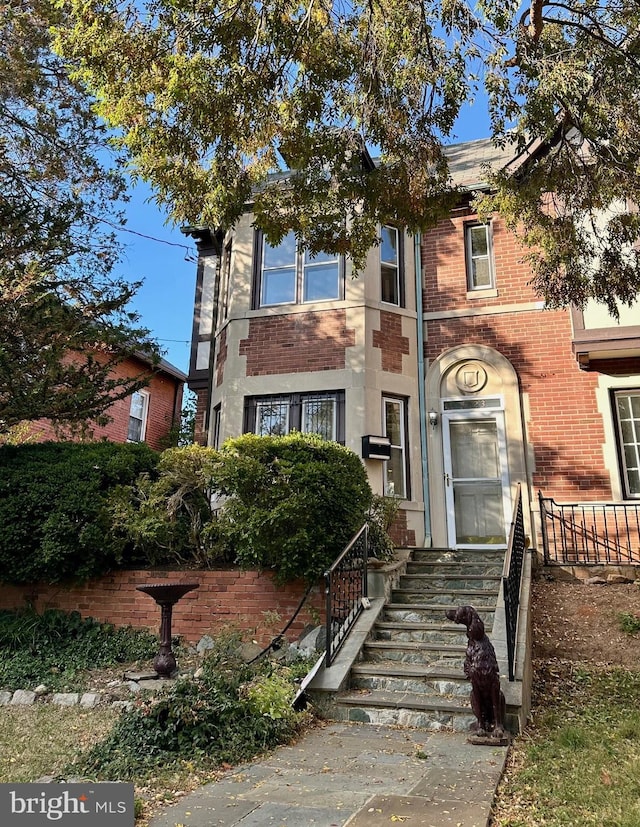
(352,775)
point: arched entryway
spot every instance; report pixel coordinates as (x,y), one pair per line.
(476,447)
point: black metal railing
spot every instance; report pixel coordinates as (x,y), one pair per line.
(345,588)
(590,533)
(511,580)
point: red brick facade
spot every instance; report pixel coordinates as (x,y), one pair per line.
(246,601)
(297,343)
(391,341)
(401,536)
(444,268)
(565,427)
(165,403)
(202,405)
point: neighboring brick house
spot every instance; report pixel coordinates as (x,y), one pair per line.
(441,346)
(146,416)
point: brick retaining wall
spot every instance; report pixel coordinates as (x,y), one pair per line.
(248,601)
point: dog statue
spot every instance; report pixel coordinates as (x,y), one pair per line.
(481,668)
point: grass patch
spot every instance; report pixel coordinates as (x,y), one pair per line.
(41,739)
(579,761)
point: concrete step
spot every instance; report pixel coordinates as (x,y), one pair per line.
(447,633)
(429,612)
(445,555)
(431,567)
(404,709)
(432,681)
(414,652)
(451,582)
(449,598)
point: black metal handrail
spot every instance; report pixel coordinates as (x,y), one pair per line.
(511,581)
(276,642)
(345,588)
(590,533)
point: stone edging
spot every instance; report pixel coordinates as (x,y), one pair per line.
(87,700)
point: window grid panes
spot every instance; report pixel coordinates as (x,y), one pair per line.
(291,276)
(395,471)
(628,411)
(311,413)
(272,418)
(479,257)
(389,266)
(319,417)
(279,272)
(321,277)
(137,417)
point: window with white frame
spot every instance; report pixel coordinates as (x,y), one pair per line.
(391,286)
(289,275)
(395,469)
(627,410)
(138,416)
(479,255)
(311,413)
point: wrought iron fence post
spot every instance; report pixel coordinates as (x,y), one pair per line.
(543,528)
(345,588)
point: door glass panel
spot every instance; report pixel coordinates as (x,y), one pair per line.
(474,450)
(479,512)
(475,487)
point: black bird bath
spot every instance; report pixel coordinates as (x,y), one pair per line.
(166,595)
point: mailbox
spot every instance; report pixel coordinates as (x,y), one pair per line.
(376,447)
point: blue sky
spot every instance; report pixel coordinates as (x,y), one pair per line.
(165,262)
(165,301)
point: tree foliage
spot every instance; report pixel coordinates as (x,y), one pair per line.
(215,98)
(54,509)
(63,319)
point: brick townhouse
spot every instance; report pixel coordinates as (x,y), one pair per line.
(438,365)
(146,416)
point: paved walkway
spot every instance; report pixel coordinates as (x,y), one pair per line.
(352,775)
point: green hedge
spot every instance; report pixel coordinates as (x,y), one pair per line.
(294,502)
(287,504)
(54,523)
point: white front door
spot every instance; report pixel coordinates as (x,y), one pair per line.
(476,478)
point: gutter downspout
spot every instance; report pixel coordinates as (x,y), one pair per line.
(422,405)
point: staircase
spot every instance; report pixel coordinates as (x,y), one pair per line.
(410,671)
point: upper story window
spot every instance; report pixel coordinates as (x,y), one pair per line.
(627,408)
(309,413)
(395,469)
(391,281)
(138,416)
(479,253)
(289,275)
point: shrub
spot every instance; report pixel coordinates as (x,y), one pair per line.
(382,513)
(294,502)
(53,508)
(55,648)
(168,516)
(288,504)
(629,623)
(232,712)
